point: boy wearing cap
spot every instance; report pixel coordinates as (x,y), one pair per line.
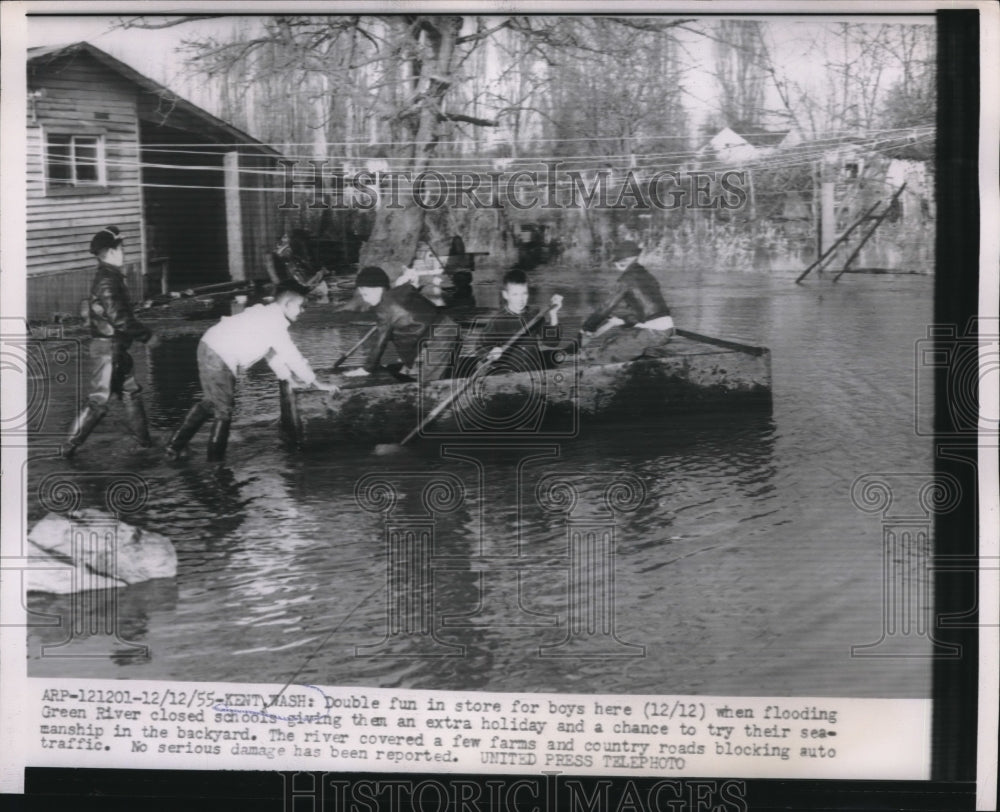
(634,320)
(113,328)
(406,318)
(233,345)
(532,347)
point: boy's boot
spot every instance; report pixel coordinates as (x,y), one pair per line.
(218,440)
(81,428)
(135,412)
(194,420)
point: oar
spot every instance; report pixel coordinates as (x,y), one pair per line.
(719,342)
(389,448)
(353,349)
(165,299)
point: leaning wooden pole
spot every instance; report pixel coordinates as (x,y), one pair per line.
(821,260)
(878,222)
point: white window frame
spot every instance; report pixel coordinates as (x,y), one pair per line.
(74,184)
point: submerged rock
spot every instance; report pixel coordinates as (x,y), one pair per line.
(62,577)
(94,543)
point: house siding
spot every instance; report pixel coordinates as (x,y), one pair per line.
(60,226)
(81,90)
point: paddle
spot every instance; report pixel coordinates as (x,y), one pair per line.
(719,342)
(174,296)
(389,448)
(353,349)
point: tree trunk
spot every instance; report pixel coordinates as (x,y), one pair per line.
(393,241)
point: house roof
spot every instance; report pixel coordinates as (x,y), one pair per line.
(46,54)
(761,138)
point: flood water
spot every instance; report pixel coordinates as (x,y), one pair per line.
(740,567)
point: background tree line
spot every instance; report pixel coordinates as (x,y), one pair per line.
(411,92)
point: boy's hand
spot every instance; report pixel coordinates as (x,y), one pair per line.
(356,373)
(153,342)
(556,302)
(409,275)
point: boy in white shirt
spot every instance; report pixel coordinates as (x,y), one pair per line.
(233,345)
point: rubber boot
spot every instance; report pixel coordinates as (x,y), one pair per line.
(218,440)
(194,420)
(81,428)
(135,413)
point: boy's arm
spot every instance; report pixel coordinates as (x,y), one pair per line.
(113,299)
(287,361)
(381,342)
(550,335)
(598,317)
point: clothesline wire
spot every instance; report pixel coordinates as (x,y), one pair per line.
(645,171)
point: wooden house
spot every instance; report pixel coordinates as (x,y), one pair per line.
(196,198)
(746,146)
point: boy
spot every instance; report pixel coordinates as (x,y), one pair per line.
(532,348)
(406,318)
(113,328)
(634,320)
(233,345)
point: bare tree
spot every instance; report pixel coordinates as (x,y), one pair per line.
(740,71)
(404,80)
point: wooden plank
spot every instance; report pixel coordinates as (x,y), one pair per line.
(234,216)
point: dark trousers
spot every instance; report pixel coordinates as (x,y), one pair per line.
(438,351)
(625,344)
(218,384)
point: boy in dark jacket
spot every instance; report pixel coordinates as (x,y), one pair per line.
(533,347)
(426,340)
(113,328)
(634,319)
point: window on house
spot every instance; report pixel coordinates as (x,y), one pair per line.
(75,162)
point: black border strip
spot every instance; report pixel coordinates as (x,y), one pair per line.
(956,294)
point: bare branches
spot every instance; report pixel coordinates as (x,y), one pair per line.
(461,117)
(146,22)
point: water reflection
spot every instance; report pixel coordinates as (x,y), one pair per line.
(745,569)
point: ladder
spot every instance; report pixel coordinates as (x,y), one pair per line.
(869,216)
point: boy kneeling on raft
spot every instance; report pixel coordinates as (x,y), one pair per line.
(426,340)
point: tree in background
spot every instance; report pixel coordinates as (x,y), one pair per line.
(405,84)
(740,72)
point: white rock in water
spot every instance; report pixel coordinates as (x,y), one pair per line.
(107,546)
(58,577)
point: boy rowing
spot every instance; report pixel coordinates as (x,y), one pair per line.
(634,320)
(426,340)
(533,347)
